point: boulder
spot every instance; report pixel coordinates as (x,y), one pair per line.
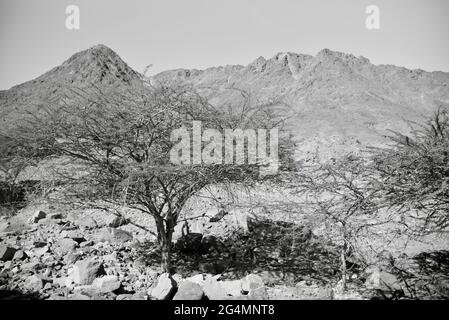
(259,293)
(33,283)
(85,271)
(252,281)
(232,287)
(20,255)
(66,245)
(189,291)
(213,289)
(164,288)
(107,283)
(7,252)
(87,223)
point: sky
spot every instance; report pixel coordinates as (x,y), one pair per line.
(199,34)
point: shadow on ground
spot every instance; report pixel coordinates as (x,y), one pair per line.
(282,251)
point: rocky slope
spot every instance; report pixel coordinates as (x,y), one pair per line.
(338,102)
(98,67)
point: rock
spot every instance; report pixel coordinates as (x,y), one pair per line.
(20,255)
(86,244)
(221,213)
(33,283)
(38,215)
(382,280)
(75,235)
(189,291)
(63,282)
(190,242)
(311,291)
(85,271)
(55,216)
(87,223)
(113,235)
(66,245)
(41,251)
(232,288)
(259,293)
(107,283)
(198,279)
(164,288)
(213,289)
(30,266)
(252,281)
(71,258)
(115,221)
(7,253)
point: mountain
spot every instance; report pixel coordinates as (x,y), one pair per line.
(338,102)
(99,66)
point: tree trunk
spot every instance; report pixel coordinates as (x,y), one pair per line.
(164,240)
(343,266)
(166,256)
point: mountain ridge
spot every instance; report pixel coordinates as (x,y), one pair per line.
(341,103)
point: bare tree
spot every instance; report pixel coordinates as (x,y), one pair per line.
(344,193)
(415,174)
(120,144)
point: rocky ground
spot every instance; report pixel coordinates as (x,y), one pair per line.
(45,254)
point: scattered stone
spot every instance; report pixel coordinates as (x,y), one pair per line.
(107,283)
(164,288)
(75,235)
(20,255)
(189,291)
(85,271)
(66,245)
(7,253)
(38,215)
(33,283)
(87,223)
(30,266)
(55,216)
(311,291)
(113,235)
(41,251)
